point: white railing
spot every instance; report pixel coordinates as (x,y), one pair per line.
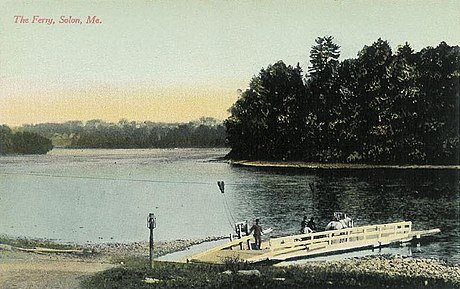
(343,238)
(324,241)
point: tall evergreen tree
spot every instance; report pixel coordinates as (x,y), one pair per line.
(438,81)
(325,95)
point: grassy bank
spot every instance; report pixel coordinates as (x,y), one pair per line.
(135,273)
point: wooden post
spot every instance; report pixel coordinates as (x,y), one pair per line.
(151,224)
(240,234)
(151,248)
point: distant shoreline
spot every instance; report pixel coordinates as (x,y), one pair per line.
(335,166)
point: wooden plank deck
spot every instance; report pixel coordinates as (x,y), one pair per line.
(310,244)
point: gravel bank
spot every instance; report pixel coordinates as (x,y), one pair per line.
(393,267)
(141,249)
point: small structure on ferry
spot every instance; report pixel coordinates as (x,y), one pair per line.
(339,221)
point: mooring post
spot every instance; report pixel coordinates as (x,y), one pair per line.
(151,224)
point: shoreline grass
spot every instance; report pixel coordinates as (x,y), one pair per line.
(136,273)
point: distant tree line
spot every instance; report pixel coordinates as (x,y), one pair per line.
(22,142)
(206,132)
(390,107)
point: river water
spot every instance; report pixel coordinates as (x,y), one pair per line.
(94,196)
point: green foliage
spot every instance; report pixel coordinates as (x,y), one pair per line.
(6,144)
(30,143)
(381,107)
(206,132)
(324,58)
(176,275)
(22,142)
(262,118)
(235,263)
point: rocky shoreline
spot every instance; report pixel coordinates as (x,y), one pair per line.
(390,266)
(141,249)
(98,251)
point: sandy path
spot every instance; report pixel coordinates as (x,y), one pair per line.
(50,274)
(26,270)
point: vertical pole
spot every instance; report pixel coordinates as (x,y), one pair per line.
(151,247)
(240,234)
(151,224)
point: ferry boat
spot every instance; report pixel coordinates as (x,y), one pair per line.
(310,244)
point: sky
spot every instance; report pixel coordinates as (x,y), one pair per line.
(175,61)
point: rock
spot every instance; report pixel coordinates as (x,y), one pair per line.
(151,280)
(5,247)
(228,272)
(249,272)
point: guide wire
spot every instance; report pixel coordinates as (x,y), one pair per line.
(112,179)
(229,210)
(226,210)
(229,216)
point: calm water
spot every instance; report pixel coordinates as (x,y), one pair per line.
(105,196)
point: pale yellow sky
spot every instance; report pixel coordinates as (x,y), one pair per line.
(179,60)
(138,103)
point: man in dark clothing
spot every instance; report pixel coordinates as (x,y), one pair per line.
(311,224)
(257,233)
(303,226)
